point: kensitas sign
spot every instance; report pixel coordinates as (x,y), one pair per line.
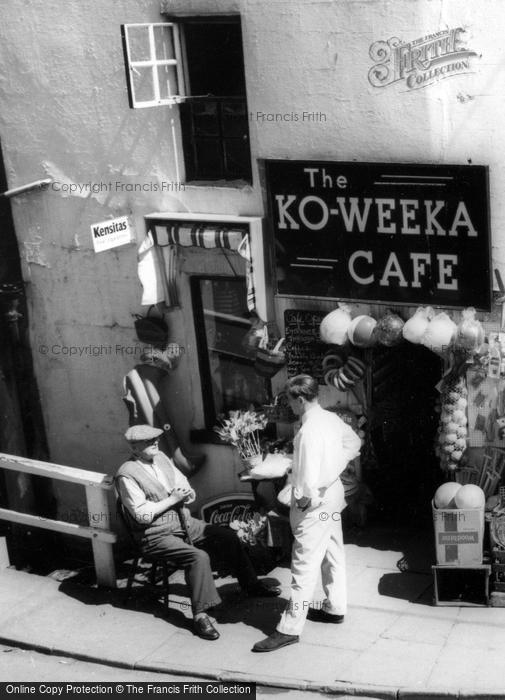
(414,234)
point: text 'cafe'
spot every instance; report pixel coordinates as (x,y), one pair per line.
(382,232)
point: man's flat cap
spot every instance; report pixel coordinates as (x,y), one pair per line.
(142,432)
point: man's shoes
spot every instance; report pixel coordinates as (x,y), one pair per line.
(262,590)
(320,615)
(275,641)
(204,628)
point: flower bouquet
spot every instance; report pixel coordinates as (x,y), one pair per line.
(252,531)
(242,430)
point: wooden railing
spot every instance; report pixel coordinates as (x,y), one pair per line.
(96,486)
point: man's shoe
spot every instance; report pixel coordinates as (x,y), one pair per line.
(262,590)
(320,615)
(275,641)
(204,628)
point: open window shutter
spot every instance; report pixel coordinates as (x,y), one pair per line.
(153,63)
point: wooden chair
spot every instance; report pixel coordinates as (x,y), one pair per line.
(166,568)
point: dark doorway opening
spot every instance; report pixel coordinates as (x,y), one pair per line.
(403,471)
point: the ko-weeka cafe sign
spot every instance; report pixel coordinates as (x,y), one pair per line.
(414,234)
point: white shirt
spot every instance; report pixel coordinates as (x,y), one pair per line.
(134,498)
(322,448)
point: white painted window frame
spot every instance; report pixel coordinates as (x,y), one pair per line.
(153,63)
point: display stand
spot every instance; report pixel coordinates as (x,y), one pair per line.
(463,586)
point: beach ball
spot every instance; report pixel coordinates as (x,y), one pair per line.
(360,332)
(445,495)
(470,496)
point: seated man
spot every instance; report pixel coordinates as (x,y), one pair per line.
(154,493)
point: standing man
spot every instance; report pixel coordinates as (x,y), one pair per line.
(155,495)
(322,449)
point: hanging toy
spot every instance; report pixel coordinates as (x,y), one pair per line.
(333,328)
(452,429)
(347,376)
(388,330)
(332,360)
(469,333)
(416,326)
(361,331)
(440,333)
(331,363)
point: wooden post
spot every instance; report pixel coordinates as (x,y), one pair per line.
(99,517)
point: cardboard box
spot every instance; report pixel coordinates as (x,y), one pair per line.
(461,585)
(459,535)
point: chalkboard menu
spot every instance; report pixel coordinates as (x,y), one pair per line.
(304,349)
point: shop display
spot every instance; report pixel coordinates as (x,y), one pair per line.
(269,361)
(440,333)
(444,495)
(332,360)
(388,330)
(470,496)
(361,331)
(459,532)
(469,333)
(342,373)
(352,372)
(334,326)
(241,429)
(452,432)
(416,326)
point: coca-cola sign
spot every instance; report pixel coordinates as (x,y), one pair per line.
(224,509)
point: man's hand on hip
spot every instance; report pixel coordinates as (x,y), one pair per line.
(303,503)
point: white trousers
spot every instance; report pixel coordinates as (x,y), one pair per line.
(318,548)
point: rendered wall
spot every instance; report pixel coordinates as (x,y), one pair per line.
(64,114)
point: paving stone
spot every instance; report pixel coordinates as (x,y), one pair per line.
(304,661)
(472,669)
(413,628)
(394,662)
(374,558)
(360,629)
(21,592)
(184,650)
(383,589)
(484,615)
(472,635)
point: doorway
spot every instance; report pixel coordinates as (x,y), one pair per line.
(403,471)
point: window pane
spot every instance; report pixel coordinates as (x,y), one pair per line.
(208,158)
(138,42)
(164,43)
(234,116)
(167,79)
(214,56)
(236,157)
(143,85)
(231,380)
(205,118)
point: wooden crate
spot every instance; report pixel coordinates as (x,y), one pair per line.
(466,586)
